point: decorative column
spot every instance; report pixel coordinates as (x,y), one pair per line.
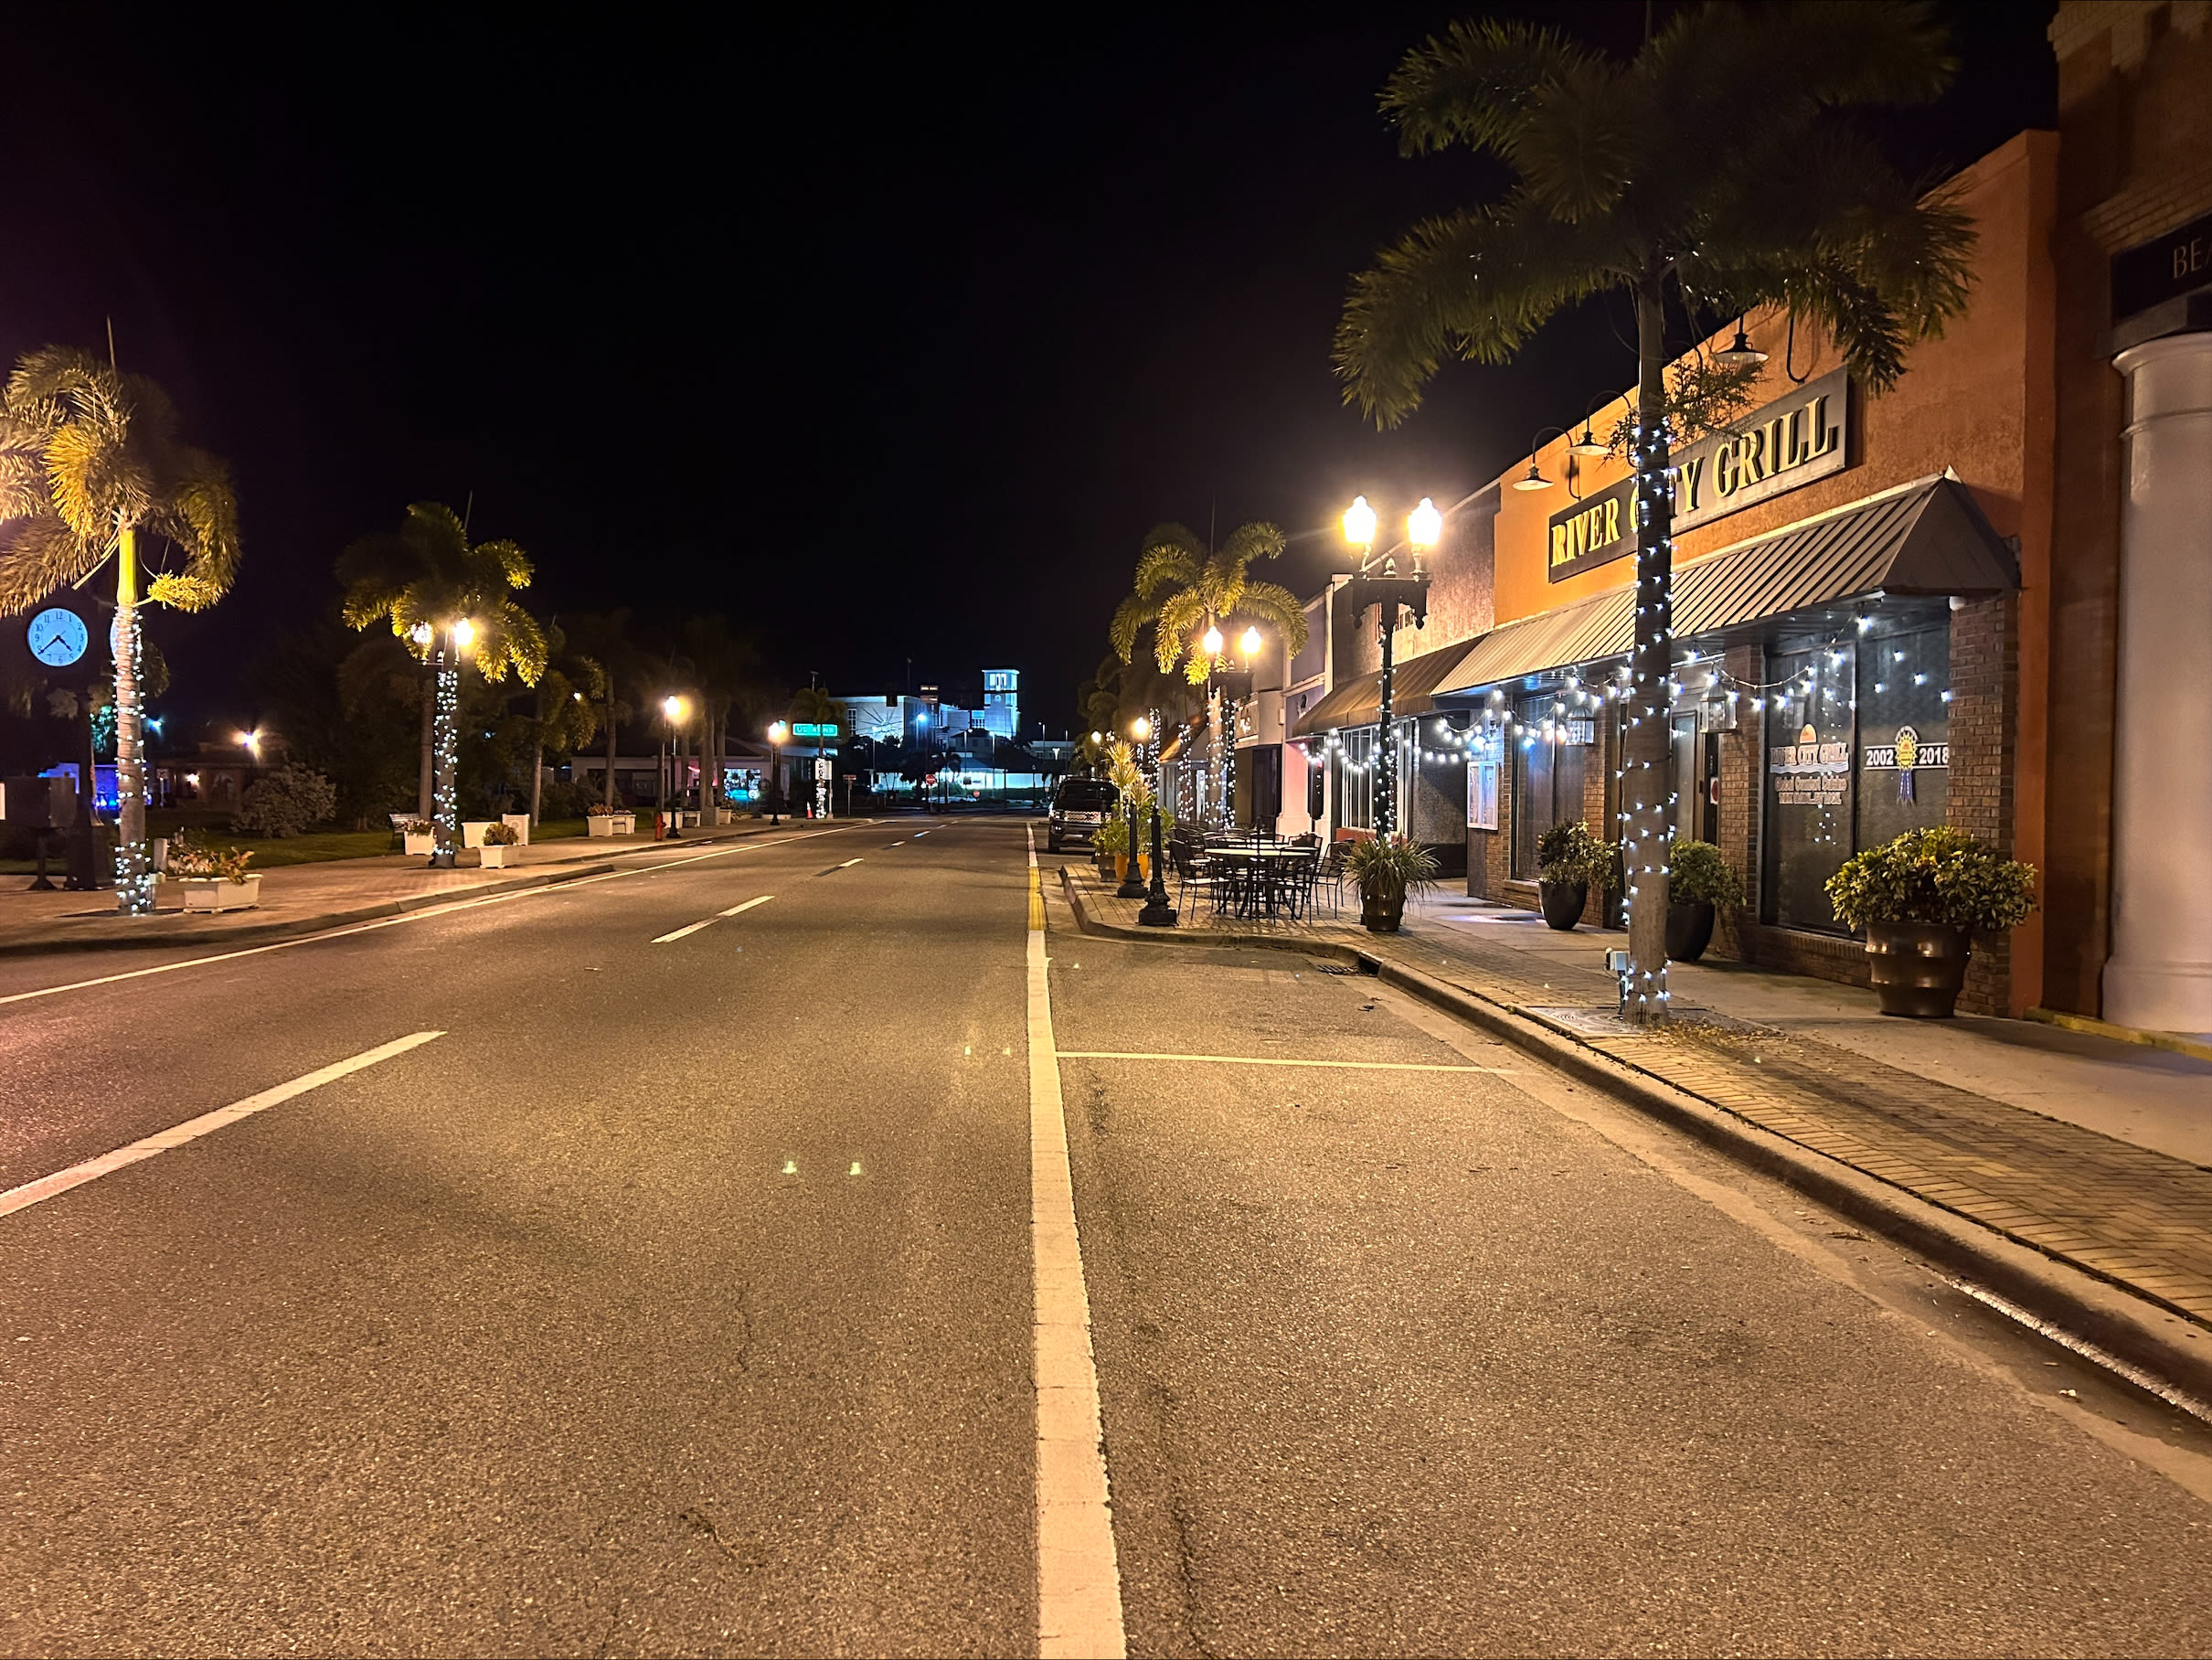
(2159,976)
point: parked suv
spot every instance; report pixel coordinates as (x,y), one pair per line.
(1078,807)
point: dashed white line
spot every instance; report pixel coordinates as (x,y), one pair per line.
(192,1129)
(848,863)
(740,910)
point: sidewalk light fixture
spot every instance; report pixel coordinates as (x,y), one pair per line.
(777,733)
(1212,642)
(1359,523)
(1424,526)
(464,634)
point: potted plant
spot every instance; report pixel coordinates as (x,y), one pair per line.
(1920,897)
(1386,868)
(497,838)
(1697,881)
(214,880)
(473,829)
(420,835)
(1568,858)
(609,821)
(1111,843)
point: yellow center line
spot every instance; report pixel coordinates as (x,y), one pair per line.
(1276,1060)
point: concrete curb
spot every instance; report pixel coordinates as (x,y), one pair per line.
(2177,1043)
(255,932)
(2121,1322)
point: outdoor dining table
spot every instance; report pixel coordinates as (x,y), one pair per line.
(1267,860)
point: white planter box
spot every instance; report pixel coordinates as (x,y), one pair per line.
(425,844)
(492,857)
(220,893)
(518,823)
(473,829)
(611,824)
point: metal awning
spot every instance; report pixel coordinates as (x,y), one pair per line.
(1358,701)
(1925,537)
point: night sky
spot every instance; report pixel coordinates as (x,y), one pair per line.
(887,339)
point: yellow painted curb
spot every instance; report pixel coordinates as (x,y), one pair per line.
(2173,1041)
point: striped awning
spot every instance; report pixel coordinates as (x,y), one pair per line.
(1358,701)
(1926,538)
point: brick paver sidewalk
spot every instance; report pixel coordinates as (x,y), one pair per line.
(2125,1213)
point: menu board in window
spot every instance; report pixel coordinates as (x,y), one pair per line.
(1809,727)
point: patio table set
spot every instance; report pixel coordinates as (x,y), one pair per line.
(1250,875)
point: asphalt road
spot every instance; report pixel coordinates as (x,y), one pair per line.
(677,1299)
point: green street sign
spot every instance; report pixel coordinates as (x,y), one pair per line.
(808,728)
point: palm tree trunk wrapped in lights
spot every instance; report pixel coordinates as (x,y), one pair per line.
(1716,173)
(88,459)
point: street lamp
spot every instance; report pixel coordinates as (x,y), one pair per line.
(1385,590)
(1133,881)
(777,733)
(673,707)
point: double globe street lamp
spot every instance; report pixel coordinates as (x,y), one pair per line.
(777,732)
(675,708)
(1378,583)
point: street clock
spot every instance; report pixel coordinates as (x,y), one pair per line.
(58,637)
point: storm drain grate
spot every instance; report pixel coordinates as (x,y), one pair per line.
(1335,968)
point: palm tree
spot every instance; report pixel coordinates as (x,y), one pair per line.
(1715,173)
(727,669)
(88,458)
(566,715)
(1185,594)
(428,579)
(813,706)
(606,639)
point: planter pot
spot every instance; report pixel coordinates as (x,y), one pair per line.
(611,824)
(424,845)
(220,893)
(492,856)
(1689,930)
(518,823)
(1381,912)
(1917,968)
(1104,861)
(1563,903)
(473,829)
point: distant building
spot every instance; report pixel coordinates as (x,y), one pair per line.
(1000,713)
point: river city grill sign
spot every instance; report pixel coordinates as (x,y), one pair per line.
(1791,442)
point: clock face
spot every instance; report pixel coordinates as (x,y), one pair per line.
(58,637)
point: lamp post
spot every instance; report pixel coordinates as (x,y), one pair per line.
(1132,882)
(445,737)
(1157,912)
(674,708)
(777,732)
(1379,584)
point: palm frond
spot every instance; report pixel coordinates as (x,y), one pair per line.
(1475,284)
(1171,555)
(1473,84)
(1270,603)
(199,512)
(1181,615)
(512,564)
(38,555)
(1129,619)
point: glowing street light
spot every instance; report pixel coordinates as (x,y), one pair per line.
(1140,729)
(1359,523)
(464,634)
(777,732)
(1424,526)
(1386,591)
(1212,642)
(1249,643)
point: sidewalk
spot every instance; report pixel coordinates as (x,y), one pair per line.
(300,899)
(2091,1151)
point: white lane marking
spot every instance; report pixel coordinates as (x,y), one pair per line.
(1274,1061)
(1079,1581)
(679,933)
(848,863)
(192,1129)
(740,910)
(550,888)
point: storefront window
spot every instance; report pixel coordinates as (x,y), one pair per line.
(1809,794)
(1485,749)
(1904,728)
(1548,767)
(1356,779)
(1844,775)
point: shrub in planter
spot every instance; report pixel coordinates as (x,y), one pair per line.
(214,879)
(1568,859)
(501,835)
(1386,868)
(420,836)
(1698,881)
(1921,897)
(287,801)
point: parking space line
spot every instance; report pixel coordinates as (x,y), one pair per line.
(1277,1061)
(192,1129)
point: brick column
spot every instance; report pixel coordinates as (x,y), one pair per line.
(1742,775)
(1984,678)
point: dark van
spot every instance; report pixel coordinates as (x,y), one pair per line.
(1078,807)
